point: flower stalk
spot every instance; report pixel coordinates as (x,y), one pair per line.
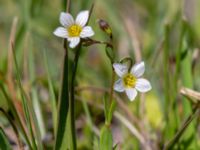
(72,97)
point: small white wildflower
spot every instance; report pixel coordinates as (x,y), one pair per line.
(130,82)
(74,30)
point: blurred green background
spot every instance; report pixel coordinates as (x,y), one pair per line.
(138,30)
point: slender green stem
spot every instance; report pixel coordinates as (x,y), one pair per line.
(112,84)
(72,94)
(63,103)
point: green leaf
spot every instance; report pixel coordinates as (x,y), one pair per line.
(106,140)
(111,110)
(95,143)
(106,108)
(4,142)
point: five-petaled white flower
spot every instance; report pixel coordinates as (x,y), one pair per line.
(130,81)
(74,30)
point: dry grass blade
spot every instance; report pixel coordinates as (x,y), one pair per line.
(9,75)
(194,96)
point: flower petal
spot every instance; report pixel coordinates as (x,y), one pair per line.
(82,18)
(61,32)
(138,69)
(74,41)
(131,93)
(66,19)
(87,32)
(120,69)
(118,86)
(143,85)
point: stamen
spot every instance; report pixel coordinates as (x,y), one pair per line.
(129,80)
(74,30)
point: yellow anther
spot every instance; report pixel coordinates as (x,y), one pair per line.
(74,30)
(129,80)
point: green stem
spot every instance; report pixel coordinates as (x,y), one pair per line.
(112,84)
(63,103)
(72,94)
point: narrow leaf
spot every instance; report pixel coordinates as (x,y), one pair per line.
(4,142)
(111,110)
(24,102)
(106,108)
(106,139)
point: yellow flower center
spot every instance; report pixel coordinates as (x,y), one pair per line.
(74,30)
(129,80)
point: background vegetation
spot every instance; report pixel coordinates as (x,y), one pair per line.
(165,34)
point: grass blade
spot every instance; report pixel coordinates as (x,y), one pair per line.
(16,116)
(34,105)
(4,142)
(24,102)
(52,93)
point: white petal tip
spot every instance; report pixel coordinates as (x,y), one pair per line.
(143,85)
(82,18)
(120,69)
(66,19)
(131,93)
(87,32)
(71,45)
(118,86)
(61,32)
(132,100)
(138,69)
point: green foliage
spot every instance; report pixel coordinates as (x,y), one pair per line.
(166,34)
(4,142)
(106,139)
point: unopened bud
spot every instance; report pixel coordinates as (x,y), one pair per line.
(105,27)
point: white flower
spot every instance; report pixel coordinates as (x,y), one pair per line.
(131,81)
(74,30)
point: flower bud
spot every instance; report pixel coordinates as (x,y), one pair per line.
(105,27)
